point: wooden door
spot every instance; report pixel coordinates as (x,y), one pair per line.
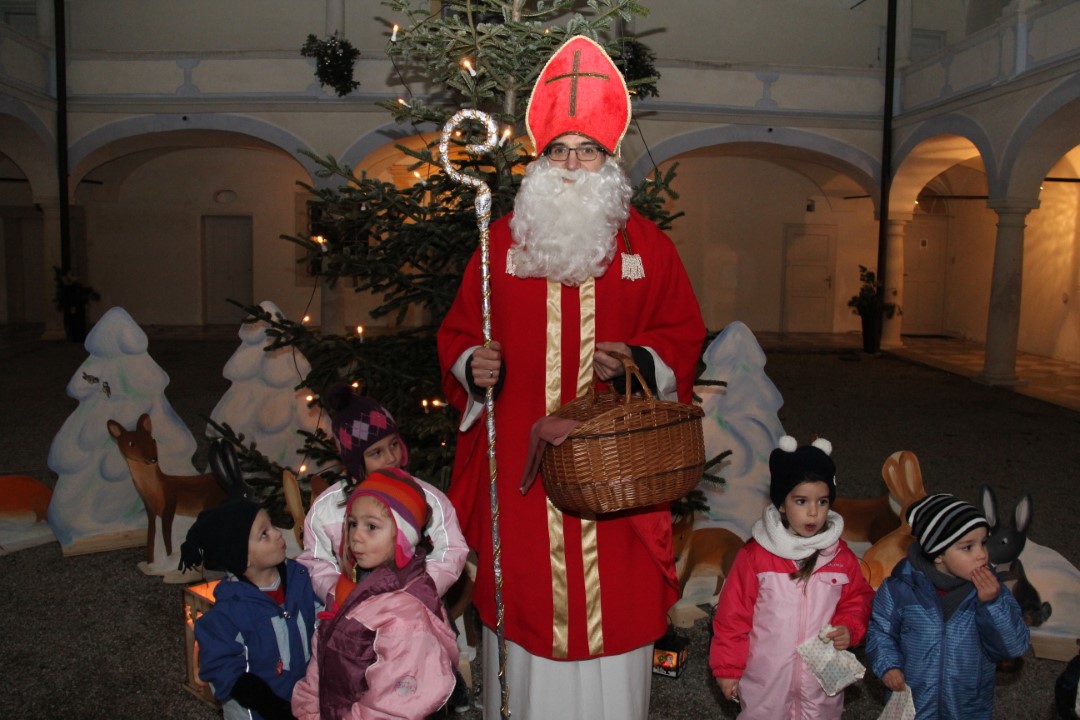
(808,278)
(227,264)
(923,306)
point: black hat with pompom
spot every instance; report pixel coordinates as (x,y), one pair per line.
(791,464)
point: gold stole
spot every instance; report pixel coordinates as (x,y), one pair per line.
(553,386)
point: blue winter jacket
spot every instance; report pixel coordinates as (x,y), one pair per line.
(246,631)
(949,666)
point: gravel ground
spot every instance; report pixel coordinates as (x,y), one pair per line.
(91,637)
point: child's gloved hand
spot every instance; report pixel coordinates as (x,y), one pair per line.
(894,680)
(840,636)
(730,687)
(986,583)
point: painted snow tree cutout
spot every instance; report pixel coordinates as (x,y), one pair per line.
(266,408)
(741,417)
(95,505)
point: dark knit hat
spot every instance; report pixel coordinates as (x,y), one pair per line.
(937,521)
(358,422)
(219,538)
(405,500)
(791,464)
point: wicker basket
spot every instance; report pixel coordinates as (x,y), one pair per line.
(629,451)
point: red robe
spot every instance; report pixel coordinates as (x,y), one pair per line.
(573,588)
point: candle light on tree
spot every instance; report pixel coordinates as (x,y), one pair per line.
(393,35)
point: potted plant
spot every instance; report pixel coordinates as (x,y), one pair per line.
(71,299)
(871,308)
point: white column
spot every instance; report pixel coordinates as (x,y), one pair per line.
(904,23)
(51,254)
(894,281)
(335,16)
(46,30)
(1003,317)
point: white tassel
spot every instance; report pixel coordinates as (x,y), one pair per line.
(632,269)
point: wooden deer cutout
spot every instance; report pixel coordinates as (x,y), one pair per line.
(165,496)
(706,551)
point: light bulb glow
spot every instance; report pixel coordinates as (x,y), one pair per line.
(468,66)
(393,35)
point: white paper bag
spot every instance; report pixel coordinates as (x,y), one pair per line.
(834,669)
(899,707)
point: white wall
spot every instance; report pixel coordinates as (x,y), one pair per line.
(1049,311)
(144,245)
(732,238)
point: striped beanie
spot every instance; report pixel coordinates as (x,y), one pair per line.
(937,521)
(404,498)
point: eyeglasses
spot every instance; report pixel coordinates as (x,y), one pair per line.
(584,153)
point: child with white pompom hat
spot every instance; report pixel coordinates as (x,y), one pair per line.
(795,576)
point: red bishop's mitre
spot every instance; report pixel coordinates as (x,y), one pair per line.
(580,91)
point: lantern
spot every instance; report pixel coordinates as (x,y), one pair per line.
(198,599)
(670,655)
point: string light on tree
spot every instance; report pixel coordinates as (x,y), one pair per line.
(360,332)
(505,137)
(468,66)
(393,35)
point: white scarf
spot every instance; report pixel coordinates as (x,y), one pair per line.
(771,534)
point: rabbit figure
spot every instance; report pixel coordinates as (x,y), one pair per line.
(226,468)
(1004,545)
(903,478)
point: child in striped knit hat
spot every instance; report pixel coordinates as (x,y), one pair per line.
(385,647)
(943,620)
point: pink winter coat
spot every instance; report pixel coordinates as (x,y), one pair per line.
(415,653)
(763,615)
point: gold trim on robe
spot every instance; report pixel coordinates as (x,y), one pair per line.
(552,399)
(590,555)
(556,528)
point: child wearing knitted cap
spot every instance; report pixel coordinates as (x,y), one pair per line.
(368,439)
(254,643)
(943,619)
(385,649)
(794,577)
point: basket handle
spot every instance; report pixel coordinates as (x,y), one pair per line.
(631,370)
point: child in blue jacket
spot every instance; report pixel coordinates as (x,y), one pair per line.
(943,620)
(255,642)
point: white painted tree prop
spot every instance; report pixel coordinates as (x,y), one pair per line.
(95,505)
(741,417)
(264,403)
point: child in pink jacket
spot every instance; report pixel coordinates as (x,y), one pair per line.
(787,583)
(385,648)
(368,439)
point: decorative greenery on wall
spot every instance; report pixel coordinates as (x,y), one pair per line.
(334,60)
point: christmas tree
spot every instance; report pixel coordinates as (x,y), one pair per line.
(410,245)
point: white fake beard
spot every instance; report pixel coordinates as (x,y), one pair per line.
(565,231)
